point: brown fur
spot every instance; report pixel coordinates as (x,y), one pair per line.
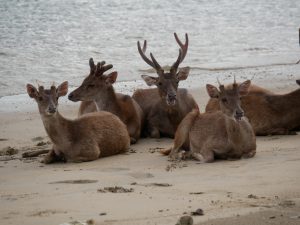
(97,92)
(223,134)
(86,138)
(269,114)
(165,106)
(160,118)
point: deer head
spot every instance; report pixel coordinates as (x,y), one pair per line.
(229,99)
(47,99)
(95,83)
(166,82)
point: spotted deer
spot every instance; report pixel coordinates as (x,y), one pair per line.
(86,138)
(224,134)
(269,113)
(98,87)
(165,106)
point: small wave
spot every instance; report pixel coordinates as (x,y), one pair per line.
(243,67)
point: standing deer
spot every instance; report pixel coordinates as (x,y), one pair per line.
(165,106)
(225,134)
(268,113)
(86,138)
(98,87)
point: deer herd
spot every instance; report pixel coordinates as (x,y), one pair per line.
(108,122)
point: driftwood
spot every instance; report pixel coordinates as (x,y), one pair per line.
(34,153)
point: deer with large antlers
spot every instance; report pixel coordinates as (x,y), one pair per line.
(165,106)
(224,134)
(269,113)
(87,138)
(97,87)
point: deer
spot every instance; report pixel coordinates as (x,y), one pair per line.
(98,88)
(224,134)
(269,113)
(86,138)
(166,105)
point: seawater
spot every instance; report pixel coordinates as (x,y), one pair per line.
(49,41)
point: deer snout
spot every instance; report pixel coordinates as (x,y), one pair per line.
(51,110)
(171,99)
(239,114)
(72,97)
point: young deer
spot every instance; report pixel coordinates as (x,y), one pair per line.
(98,87)
(223,134)
(268,113)
(87,138)
(165,106)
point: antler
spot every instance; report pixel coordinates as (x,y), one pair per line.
(92,65)
(153,63)
(100,69)
(182,52)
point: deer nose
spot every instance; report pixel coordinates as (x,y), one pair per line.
(70,96)
(172,96)
(239,114)
(51,110)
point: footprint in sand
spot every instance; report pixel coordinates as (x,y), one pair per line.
(141,175)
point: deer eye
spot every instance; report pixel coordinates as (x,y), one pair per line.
(224,100)
(91,86)
(159,83)
(40,98)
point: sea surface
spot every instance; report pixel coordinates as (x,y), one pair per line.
(46,41)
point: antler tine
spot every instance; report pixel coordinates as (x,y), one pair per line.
(157,66)
(92,64)
(221,86)
(145,46)
(182,51)
(219,81)
(184,47)
(234,81)
(142,54)
(107,67)
(100,69)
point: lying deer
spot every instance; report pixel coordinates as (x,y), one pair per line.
(224,134)
(98,87)
(165,106)
(87,138)
(268,113)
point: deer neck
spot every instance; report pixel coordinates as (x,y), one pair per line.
(234,129)
(57,127)
(107,101)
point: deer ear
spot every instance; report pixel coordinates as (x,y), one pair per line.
(212,91)
(150,80)
(62,89)
(32,91)
(298,82)
(112,77)
(183,73)
(244,87)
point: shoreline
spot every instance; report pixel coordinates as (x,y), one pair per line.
(262,76)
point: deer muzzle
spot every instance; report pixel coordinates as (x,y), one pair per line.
(72,97)
(171,99)
(239,115)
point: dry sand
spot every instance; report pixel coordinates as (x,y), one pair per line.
(261,190)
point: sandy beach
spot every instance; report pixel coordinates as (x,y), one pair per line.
(261,190)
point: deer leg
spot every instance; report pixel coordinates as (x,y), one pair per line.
(53,157)
(154,132)
(86,155)
(249,154)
